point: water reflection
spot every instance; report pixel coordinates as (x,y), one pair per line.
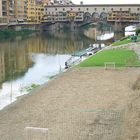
(33,60)
(15,56)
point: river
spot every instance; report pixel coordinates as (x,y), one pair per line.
(29,62)
(26,63)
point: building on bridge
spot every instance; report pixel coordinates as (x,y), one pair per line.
(122,15)
(110,12)
(35,11)
(59,2)
(21,10)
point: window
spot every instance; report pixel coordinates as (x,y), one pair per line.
(63,9)
(87,9)
(71,9)
(138,9)
(103,9)
(111,9)
(120,9)
(95,9)
(55,9)
(79,9)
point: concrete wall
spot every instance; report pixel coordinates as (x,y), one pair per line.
(135,8)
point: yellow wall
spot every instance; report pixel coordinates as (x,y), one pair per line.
(35,11)
(71,14)
(31,10)
(20,9)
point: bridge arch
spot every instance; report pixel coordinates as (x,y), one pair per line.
(87,16)
(138,16)
(95,16)
(103,16)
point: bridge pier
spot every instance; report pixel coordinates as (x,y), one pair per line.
(117,36)
(118,27)
(73,26)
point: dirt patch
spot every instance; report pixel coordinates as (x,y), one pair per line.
(136,85)
(80,104)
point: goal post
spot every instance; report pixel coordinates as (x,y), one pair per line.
(108,65)
(35,133)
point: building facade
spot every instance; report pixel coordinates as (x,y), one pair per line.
(35,11)
(4,8)
(8,10)
(45,2)
(21,10)
(58,2)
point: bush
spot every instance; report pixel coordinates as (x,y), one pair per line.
(10,33)
(6,33)
(138,31)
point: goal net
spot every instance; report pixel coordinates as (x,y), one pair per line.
(35,133)
(109,65)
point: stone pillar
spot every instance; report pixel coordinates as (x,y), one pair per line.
(18,28)
(117,36)
(118,27)
(73,26)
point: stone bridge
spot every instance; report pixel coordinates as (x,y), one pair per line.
(80,15)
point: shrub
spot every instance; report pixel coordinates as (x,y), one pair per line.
(138,31)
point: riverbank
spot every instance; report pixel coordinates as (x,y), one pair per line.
(121,56)
(79,104)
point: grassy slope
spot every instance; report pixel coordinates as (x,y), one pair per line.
(126,41)
(123,41)
(121,57)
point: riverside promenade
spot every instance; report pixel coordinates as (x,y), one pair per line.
(80,104)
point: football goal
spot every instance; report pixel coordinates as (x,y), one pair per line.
(35,133)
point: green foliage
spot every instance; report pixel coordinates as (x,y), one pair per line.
(53,76)
(86,27)
(134,38)
(122,41)
(7,33)
(138,31)
(66,28)
(10,33)
(121,57)
(30,88)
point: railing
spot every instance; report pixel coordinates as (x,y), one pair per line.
(72,61)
